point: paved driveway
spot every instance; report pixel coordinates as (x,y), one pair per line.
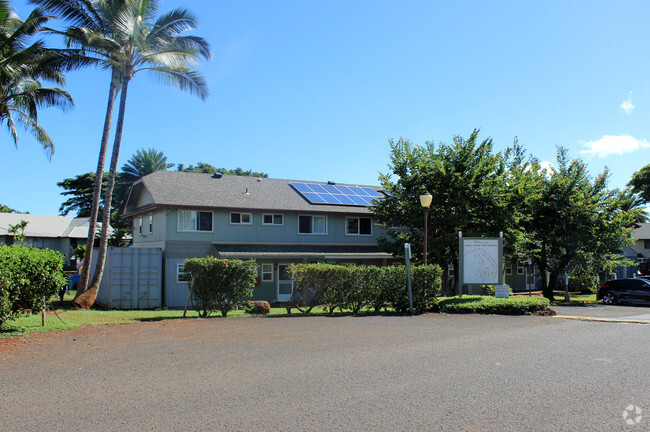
(599,310)
(429,372)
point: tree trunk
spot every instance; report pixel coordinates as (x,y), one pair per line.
(82,285)
(547,286)
(87,299)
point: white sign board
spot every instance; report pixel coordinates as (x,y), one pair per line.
(501,291)
(481,261)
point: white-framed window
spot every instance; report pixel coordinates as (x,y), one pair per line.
(520,268)
(452,271)
(241,218)
(508,269)
(180,274)
(150,223)
(272,219)
(312,225)
(358,226)
(192,221)
(267,272)
(140,225)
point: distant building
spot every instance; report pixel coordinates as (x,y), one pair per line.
(59,233)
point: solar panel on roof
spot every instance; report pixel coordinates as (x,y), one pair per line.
(336,195)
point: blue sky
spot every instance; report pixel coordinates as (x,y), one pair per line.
(313,90)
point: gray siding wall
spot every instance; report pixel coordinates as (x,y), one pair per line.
(224,231)
(158,235)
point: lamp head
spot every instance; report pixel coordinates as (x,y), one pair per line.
(425,200)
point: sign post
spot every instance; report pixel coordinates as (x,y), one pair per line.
(407,255)
(480,261)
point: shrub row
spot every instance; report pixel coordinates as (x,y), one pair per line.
(219,285)
(361,287)
(27,276)
(475,304)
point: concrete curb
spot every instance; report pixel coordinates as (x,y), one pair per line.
(612,320)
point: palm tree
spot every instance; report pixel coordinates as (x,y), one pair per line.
(23,67)
(144,162)
(127,40)
(120,35)
(91,31)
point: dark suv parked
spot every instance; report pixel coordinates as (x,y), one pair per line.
(635,291)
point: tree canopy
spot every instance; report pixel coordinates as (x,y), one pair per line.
(206,168)
(640,183)
(562,218)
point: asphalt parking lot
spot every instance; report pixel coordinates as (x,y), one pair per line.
(602,311)
(388,373)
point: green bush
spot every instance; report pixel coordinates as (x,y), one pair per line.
(27,276)
(220,285)
(357,287)
(491,305)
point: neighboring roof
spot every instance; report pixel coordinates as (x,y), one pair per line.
(293,251)
(194,190)
(46,226)
(643,232)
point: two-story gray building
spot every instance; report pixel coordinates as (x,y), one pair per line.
(276,222)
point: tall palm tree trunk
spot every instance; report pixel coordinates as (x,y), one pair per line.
(82,285)
(87,299)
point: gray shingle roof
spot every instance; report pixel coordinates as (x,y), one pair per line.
(46,226)
(643,232)
(299,251)
(193,190)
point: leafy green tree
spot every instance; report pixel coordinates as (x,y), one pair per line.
(576,223)
(467,182)
(79,192)
(206,168)
(24,67)
(144,162)
(7,209)
(640,183)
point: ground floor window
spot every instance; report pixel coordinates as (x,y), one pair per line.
(267,272)
(180,273)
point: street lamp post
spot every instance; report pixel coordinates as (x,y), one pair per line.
(425,201)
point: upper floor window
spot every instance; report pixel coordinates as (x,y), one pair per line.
(646,244)
(358,226)
(241,218)
(272,219)
(312,225)
(150,223)
(190,220)
(140,225)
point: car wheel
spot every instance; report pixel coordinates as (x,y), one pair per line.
(609,298)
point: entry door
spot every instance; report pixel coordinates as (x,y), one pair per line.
(285,283)
(530,278)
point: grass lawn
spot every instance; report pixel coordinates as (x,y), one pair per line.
(62,317)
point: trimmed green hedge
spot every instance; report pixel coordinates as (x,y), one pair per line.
(474,304)
(220,285)
(357,288)
(27,275)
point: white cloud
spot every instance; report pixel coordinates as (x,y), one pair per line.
(611,144)
(548,166)
(627,106)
